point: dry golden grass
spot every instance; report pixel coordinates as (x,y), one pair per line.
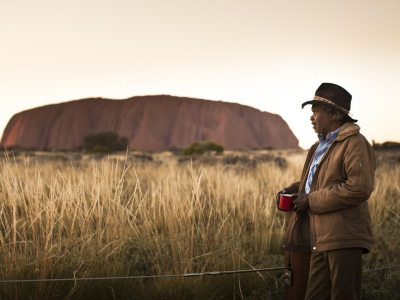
(116,218)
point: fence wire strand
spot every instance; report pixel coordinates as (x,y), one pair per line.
(166,276)
(379,269)
(148,277)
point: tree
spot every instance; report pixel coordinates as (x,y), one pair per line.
(105,139)
(200,148)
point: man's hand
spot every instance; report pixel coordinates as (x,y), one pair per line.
(284,191)
(301,204)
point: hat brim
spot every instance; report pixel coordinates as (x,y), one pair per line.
(321,103)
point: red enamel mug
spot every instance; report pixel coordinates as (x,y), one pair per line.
(286,202)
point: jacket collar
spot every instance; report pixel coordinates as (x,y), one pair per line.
(330,136)
(347,130)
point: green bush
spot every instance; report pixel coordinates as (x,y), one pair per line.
(100,149)
(99,141)
(212,146)
(194,148)
(175,150)
(219,148)
(200,148)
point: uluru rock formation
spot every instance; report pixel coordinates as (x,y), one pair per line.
(150,122)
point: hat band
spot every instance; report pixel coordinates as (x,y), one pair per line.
(330,102)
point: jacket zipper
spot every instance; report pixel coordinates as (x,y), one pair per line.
(313,245)
(302,183)
(326,165)
(325,154)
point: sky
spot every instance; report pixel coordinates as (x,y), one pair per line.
(271,55)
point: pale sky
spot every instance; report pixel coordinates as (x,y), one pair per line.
(271,55)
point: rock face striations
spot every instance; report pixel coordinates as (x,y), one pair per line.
(150,123)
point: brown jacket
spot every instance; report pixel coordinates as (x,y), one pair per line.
(342,183)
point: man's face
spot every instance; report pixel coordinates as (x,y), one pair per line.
(320,120)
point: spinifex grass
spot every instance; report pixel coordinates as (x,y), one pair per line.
(108,218)
(384,206)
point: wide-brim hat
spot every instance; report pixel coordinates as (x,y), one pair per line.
(334,97)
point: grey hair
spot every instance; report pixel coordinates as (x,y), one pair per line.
(337,115)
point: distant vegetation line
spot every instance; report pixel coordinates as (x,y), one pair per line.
(385,145)
(109,142)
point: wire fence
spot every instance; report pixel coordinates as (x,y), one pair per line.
(379,269)
(166,276)
(151,276)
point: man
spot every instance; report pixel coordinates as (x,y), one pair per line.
(330,217)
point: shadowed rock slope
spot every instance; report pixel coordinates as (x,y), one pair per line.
(150,123)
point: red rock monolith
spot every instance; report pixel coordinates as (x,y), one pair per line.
(150,122)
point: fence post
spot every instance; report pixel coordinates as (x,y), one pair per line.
(300,266)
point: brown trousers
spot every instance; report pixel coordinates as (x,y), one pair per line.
(335,275)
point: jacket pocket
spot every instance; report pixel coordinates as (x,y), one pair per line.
(330,226)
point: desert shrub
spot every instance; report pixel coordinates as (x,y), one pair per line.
(194,148)
(246,161)
(230,159)
(264,157)
(75,156)
(183,160)
(212,146)
(57,157)
(208,159)
(11,151)
(391,158)
(17,149)
(268,148)
(238,169)
(100,149)
(143,157)
(280,161)
(175,150)
(105,139)
(29,149)
(12,148)
(233,159)
(198,160)
(200,148)
(123,142)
